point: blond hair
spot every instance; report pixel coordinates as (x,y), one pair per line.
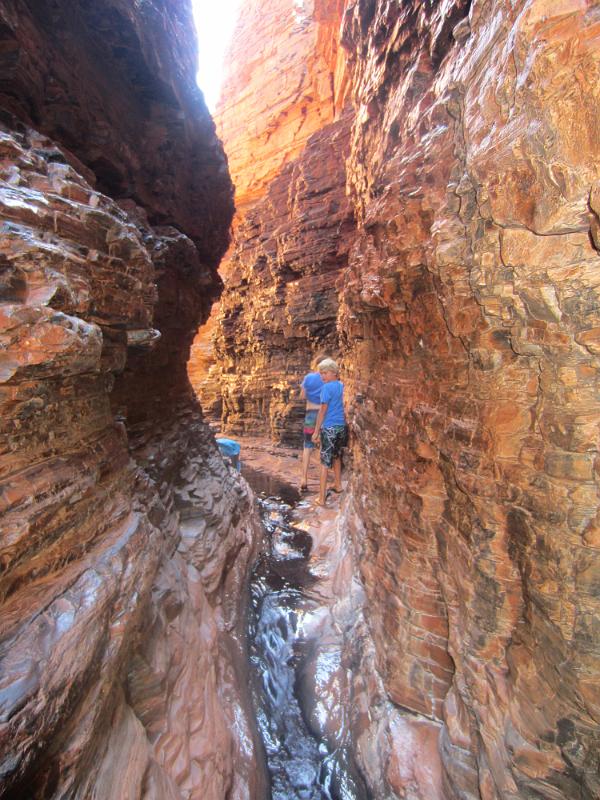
(328,365)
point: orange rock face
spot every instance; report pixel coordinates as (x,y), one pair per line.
(468,321)
(125,539)
(280,305)
(469,309)
(285,81)
(285,131)
(203,370)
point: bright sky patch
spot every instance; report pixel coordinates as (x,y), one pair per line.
(215,20)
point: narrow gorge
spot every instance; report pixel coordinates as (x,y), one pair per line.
(409,186)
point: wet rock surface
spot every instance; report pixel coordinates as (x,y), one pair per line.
(277,582)
(297,651)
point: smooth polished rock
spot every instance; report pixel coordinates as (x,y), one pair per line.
(121,636)
(125,538)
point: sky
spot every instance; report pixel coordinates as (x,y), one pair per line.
(214,22)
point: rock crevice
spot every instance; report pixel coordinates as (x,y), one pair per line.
(417,194)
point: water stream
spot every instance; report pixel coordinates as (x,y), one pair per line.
(302,765)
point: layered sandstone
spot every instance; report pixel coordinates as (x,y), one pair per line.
(285,128)
(203,371)
(473,288)
(461,281)
(285,80)
(468,321)
(279,307)
(114,83)
(125,539)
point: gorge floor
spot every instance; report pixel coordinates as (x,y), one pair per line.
(296,663)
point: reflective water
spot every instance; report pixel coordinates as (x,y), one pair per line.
(270,488)
(301,765)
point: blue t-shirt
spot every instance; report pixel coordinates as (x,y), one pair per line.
(312,385)
(332,393)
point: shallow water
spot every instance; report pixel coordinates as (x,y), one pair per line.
(268,486)
(301,765)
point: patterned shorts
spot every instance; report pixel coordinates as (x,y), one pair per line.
(332,441)
(310,419)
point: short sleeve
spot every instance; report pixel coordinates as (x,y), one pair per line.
(326,393)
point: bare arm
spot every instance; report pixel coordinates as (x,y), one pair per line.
(319,422)
(302,393)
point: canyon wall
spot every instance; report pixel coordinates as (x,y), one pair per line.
(285,79)
(417,192)
(125,538)
(280,303)
(473,288)
(284,121)
(466,295)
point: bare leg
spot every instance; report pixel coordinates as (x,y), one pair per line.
(337,474)
(322,485)
(305,464)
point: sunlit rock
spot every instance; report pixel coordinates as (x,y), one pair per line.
(468,324)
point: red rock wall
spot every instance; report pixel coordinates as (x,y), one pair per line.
(203,370)
(114,83)
(280,306)
(285,131)
(125,539)
(285,80)
(468,322)
(469,318)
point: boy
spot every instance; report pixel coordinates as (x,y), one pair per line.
(330,427)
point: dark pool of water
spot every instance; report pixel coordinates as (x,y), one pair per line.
(301,767)
(269,486)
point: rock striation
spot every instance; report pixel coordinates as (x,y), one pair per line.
(125,538)
(114,83)
(467,314)
(280,305)
(285,124)
(285,80)
(472,286)
(418,191)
